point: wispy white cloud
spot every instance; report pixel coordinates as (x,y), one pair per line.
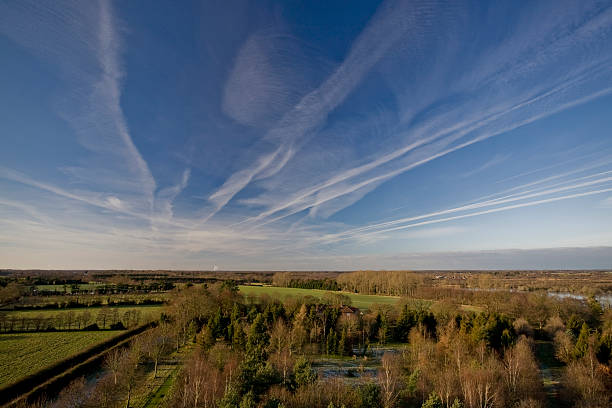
(493,106)
(407,225)
(385,28)
(82,40)
(415,86)
(494,161)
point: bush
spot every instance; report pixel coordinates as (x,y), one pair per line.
(522,326)
(117,326)
(370,395)
(91,327)
(433,401)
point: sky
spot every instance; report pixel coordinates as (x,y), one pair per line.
(304,135)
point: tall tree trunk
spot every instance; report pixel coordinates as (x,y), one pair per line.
(127,403)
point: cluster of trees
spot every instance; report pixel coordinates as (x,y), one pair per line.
(10,292)
(125,369)
(585,346)
(80,301)
(263,354)
(289,280)
(393,283)
(102,318)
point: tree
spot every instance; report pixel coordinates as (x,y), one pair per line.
(457,404)
(564,346)
(156,346)
(582,344)
(72,396)
(113,363)
(343,344)
(304,374)
(369,395)
(231,399)
(129,371)
(521,372)
(433,401)
(205,338)
(584,383)
(257,340)
(522,327)
(103,316)
(389,379)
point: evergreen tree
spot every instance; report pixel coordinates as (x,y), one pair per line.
(231,398)
(332,343)
(369,394)
(257,341)
(304,374)
(342,345)
(582,344)
(433,402)
(457,404)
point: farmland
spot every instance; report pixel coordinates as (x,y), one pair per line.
(361,301)
(76,318)
(153,309)
(295,327)
(23,354)
(69,288)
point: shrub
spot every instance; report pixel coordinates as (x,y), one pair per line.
(370,395)
(117,326)
(433,401)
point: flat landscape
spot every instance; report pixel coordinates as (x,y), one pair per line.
(357,300)
(76,318)
(307,350)
(22,354)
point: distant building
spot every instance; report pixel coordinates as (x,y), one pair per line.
(349,311)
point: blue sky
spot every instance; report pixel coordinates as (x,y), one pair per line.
(305,135)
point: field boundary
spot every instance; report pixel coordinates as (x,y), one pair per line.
(61,373)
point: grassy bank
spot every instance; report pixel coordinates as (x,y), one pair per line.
(23,354)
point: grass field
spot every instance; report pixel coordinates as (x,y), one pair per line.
(361,301)
(76,318)
(68,288)
(46,313)
(26,353)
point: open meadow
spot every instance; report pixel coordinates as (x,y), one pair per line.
(360,301)
(76,318)
(22,354)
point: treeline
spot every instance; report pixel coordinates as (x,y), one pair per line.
(101,319)
(83,301)
(290,280)
(392,283)
(103,289)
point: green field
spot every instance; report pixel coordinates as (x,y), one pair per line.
(24,320)
(361,301)
(68,288)
(23,354)
(154,309)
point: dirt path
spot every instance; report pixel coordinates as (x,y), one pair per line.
(156,389)
(550,370)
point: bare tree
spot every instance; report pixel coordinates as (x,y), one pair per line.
(389,379)
(73,396)
(113,363)
(157,345)
(584,381)
(129,374)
